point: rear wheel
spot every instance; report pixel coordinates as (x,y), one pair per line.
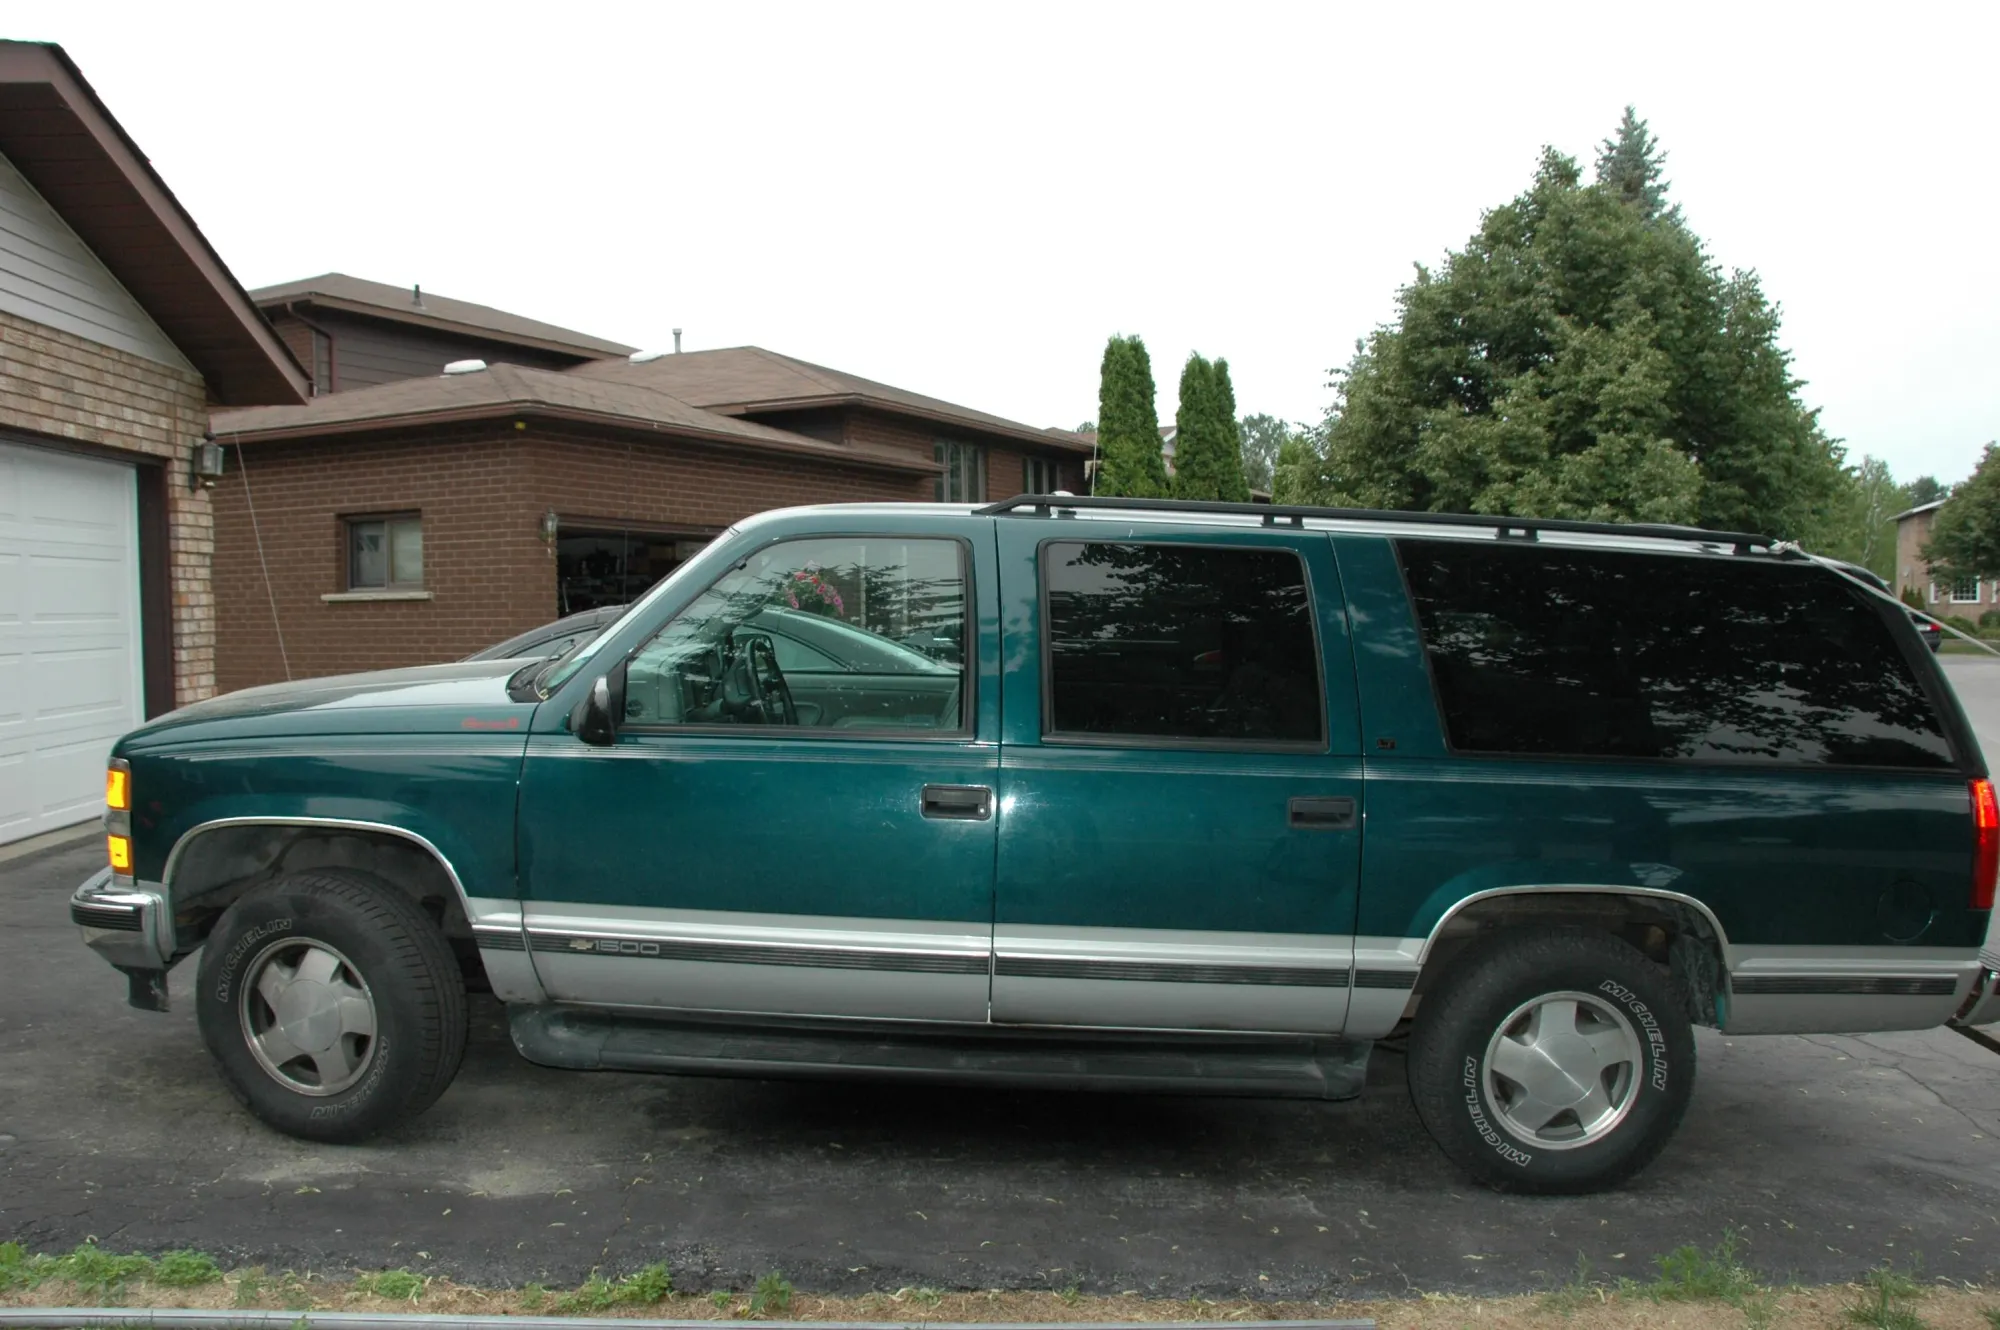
(1552,1060)
(332,1005)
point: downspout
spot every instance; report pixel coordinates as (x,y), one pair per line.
(332,358)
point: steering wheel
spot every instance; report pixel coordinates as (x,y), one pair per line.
(769,681)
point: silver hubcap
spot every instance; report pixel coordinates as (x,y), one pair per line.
(308,1017)
(1562,1070)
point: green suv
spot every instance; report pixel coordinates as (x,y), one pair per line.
(1096,793)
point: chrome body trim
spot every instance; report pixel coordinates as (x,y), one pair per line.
(133,928)
(1847,990)
(342,823)
(1575,889)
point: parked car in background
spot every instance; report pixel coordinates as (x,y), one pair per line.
(1617,782)
(552,639)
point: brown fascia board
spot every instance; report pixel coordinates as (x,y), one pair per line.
(478,332)
(1022,434)
(416,420)
(274,377)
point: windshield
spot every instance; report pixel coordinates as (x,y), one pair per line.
(557,672)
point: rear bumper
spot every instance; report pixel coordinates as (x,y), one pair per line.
(127,923)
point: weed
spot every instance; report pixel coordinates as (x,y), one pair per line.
(1071,1293)
(532,1297)
(721,1298)
(646,1287)
(1688,1274)
(396,1285)
(772,1296)
(1568,1298)
(250,1286)
(13,1266)
(90,1269)
(186,1269)
(1886,1303)
(923,1297)
(593,1295)
(1992,1315)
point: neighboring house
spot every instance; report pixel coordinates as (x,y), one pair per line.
(1967,596)
(423,519)
(352,333)
(119,328)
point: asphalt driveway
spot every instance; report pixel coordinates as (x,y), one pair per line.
(1828,1154)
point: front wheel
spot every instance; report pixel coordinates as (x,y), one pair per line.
(1552,1060)
(332,1004)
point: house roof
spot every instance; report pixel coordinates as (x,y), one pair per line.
(748,380)
(1932,506)
(61,137)
(379,300)
(504,391)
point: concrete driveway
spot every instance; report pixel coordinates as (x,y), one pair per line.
(1828,1154)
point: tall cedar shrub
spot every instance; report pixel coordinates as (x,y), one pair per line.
(1581,356)
(1208,445)
(1128,425)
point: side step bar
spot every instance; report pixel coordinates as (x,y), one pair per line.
(1301,1067)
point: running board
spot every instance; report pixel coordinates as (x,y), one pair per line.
(1300,1067)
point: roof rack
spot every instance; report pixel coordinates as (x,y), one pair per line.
(1514,528)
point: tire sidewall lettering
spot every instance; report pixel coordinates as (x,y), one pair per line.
(1475,1104)
(225,979)
(1650,1030)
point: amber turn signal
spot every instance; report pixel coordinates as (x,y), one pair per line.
(118,788)
(121,853)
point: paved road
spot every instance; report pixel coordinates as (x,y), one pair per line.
(1829,1154)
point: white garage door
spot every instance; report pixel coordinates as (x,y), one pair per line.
(69,633)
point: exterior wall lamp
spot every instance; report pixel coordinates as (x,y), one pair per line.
(551,524)
(205,464)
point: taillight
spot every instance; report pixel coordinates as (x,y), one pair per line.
(1986,848)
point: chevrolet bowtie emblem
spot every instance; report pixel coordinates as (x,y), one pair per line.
(582,944)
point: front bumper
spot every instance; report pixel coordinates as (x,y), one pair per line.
(125,922)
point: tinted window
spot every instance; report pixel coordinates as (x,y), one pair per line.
(1609,654)
(1180,641)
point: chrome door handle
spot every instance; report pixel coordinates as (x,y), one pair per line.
(969,803)
(1315,814)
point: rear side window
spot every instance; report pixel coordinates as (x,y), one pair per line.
(1186,642)
(1599,653)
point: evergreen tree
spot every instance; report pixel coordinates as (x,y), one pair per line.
(1965,535)
(1576,359)
(1208,451)
(1128,424)
(1631,165)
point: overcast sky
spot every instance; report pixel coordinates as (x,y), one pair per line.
(966,200)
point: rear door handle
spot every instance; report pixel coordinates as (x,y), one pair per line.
(1321,814)
(970,803)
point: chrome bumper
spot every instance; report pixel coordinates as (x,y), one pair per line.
(126,923)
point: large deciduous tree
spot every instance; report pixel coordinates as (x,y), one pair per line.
(1128,424)
(1965,535)
(1262,436)
(1580,357)
(1208,451)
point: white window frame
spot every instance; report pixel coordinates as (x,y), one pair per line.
(390,523)
(1973,599)
(971,469)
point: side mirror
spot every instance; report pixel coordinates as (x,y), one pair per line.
(595,719)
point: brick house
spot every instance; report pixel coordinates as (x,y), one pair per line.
(422,519)
(1969,597)
(119,329)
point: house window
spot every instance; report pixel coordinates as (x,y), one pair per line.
(963,478)
(385,553)
(1965,591)
(1040,475)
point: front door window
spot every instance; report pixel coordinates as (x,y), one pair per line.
(849,634)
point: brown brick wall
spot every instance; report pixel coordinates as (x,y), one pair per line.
(481,494)
(73,391)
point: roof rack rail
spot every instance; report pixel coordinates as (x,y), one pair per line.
(1516,528)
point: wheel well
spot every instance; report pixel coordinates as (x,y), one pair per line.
(1675,935)
(216,867)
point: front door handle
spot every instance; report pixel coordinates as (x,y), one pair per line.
(970,803)
(1317,814)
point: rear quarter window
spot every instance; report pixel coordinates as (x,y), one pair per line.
(1614,654)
